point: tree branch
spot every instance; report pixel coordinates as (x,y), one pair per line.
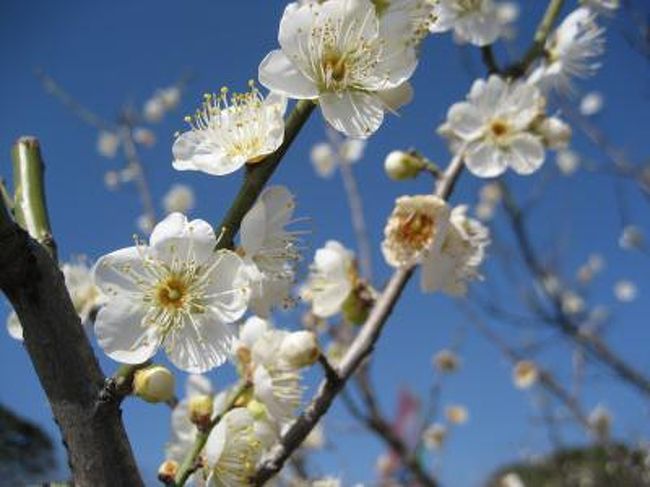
(98,449)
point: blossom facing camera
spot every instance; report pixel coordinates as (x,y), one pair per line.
(154,384)
(176,293)
(496,126)
(228,131)
(342,54)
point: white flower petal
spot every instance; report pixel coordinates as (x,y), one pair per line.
(485,160)
(279,74)
(122,334)
(356,114)
(527,154)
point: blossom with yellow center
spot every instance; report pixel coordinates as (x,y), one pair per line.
(228,131)
(176,293)
(342,54)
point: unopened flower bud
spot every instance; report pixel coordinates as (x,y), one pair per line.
(154,384)
(200,409)
(167,471)
(401,165)
(555,133)
(300,349)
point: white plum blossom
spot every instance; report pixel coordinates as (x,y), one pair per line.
(340,53)
(269,250)
(525,374)
(276,380)
(473,21)
(625,291)
(228,131)
(570,51)
(234,447)
(331,279)
(568,161)
(107,144)
(450,267)
(180,198)
(497,126)
(449,245)
(85,296)
(591,103)
(176,293)
(326,158)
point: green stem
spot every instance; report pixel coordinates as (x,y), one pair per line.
(189,464)
(258,174)
(30,208)
(542,33)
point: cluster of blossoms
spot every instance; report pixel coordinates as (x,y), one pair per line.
(268,359)
(354,58)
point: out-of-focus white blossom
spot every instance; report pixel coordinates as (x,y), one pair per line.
(340,53)
(511,480)
(326,158)
(228,131)
(107,144)
(446,361)
(457,414)
(525,374)
(571,51)
(600,420)
(175,293)
(434,436)
(473,21)
(591,103)
(572,303)
(144,136)
(625,291)
(180,198)
(567,161)
(145,224)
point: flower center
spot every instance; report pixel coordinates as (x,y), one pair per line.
(334,66)
(416,230)
(171,292)
(499,130)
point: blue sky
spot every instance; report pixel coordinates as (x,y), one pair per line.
(111,53)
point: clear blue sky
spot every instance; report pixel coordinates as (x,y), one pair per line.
(110,53)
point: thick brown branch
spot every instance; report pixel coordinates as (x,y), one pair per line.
(98,449)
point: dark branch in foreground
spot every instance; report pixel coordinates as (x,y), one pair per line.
(98,449)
